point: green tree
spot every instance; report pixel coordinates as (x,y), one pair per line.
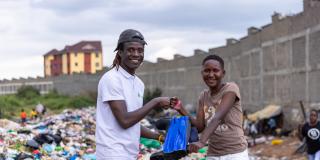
(149,95)
(27,92)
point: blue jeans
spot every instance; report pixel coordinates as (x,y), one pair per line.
(315,156)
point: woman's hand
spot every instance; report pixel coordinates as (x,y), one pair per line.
(176,104)
(194,147)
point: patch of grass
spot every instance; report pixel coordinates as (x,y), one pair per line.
(80,102)
(11,105)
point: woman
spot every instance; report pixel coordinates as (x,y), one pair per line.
(311,130)
(219,115)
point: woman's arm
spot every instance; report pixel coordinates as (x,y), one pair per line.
(223,108)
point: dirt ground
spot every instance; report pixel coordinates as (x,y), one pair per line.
(283,151)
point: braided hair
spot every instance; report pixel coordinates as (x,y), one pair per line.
(117,58)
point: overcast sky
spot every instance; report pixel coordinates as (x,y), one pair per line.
(30,28)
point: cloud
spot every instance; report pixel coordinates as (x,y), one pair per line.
(21,67)
(232,15)
(30,28)
(68,7)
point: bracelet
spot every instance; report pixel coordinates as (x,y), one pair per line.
(160,137)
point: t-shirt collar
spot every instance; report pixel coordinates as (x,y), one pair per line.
(125,73)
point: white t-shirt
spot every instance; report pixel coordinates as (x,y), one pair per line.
(112,141)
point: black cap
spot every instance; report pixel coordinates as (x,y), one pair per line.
(130,35)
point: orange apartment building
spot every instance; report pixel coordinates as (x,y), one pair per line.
(83,57)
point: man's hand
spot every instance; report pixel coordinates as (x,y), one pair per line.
(163,102)
(194,147)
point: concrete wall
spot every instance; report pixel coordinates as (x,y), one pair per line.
(11,86)
(76,84)
(278,63)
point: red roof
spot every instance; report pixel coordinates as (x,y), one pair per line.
(52,52)
(83,46)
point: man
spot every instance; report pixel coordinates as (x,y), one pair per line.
(311,131)
(120,103)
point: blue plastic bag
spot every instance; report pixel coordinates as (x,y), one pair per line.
(178,135)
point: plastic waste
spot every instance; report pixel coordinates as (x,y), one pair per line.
(58,148)
(48,148)
(89,157)
(163,123)
(74,157)
(203,150)
(276,141)
(193,135)
(33,144)
(2,157)
(24,156)
(178,135)
(150,143)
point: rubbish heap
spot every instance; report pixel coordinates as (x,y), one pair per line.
(69,135)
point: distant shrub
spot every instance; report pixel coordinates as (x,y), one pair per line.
(3,103)
(52,94)
(92,95)
(80,101)
(56,104)
(149,95)
(12,101)
(27,92)
(8,104)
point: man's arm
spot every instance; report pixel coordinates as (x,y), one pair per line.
(301,131)
(127,119)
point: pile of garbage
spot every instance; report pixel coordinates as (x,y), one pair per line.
(148,147)
(69,135)
(154,150)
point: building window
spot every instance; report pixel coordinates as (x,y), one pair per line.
(97,64)
(97,55)
(75,54)
(76,64)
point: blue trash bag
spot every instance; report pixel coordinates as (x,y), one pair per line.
(194,137)
(178,135)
